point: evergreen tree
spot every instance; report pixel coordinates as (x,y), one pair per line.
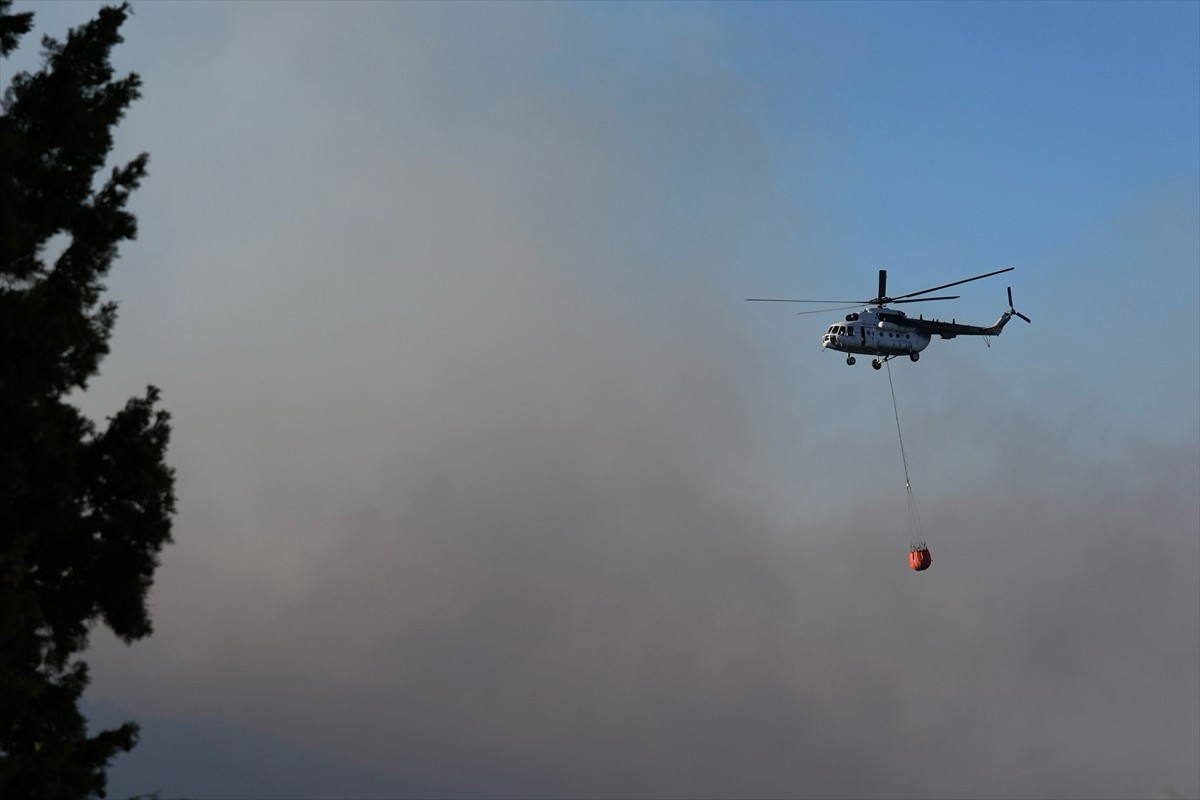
(84,512)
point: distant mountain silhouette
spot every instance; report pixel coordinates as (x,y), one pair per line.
(209,760)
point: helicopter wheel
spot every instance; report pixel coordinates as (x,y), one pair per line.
(850,360)
(914,356)
(876,363)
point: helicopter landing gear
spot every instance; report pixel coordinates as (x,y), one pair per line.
(878,363)
(851,360)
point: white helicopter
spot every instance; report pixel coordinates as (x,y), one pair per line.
(881,332)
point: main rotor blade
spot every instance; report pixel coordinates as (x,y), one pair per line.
(923,299)
(781,300)
(955,283)
(828,310)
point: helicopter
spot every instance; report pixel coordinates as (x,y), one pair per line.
(887,333)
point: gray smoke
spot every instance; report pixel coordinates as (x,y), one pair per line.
(485,472)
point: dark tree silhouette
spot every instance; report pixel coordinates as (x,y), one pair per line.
(84,512)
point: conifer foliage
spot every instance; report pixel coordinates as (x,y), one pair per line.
(84,509)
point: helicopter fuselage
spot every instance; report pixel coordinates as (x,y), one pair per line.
(867,332)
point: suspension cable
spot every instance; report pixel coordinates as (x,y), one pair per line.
(916,533)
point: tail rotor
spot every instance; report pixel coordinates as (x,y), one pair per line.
(1013,310)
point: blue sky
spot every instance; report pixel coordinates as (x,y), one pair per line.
(944,140)
(487,469)
(1013,122)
